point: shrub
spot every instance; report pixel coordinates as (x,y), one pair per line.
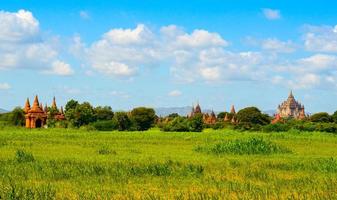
(196,123)
(143,118)
(278,127)
(122,121)
(321,117)
(24,156)
(241,147)
(178,124)
(107,125)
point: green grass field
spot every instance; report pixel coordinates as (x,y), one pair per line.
(224,164)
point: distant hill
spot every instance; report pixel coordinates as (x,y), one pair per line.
(3,111)
(182,111)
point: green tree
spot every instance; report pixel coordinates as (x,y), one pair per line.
(122,120)
(334,117)
(72,104)
(196,123)
(253,116)
(51,121)
(17,117)
(81,114)
(104,113)
(143,118)
(321,117)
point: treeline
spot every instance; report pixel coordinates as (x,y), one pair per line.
(85,116)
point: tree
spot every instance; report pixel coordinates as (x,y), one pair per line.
(122,120)
(51,121)
(81,114)
(321,117)
(17,117)
(143,118)
(196,123)
(173,115)
(70,105)
(334,117)
(104,113)
(253,116)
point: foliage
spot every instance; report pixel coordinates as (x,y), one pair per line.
(143,118)
(253,116)
(178,124)
(334,116)
(196,123)
(82,114)
(121,119)
(107,125)
(249,146)
(173,115)
(104,113)
(321,117)
(277,127)
(17,117)
(71,104)
(51,121)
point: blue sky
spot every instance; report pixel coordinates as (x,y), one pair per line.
(169,53)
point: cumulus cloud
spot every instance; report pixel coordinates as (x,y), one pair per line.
(60,68)
(175,93)
(22,44)
(271,14)
(275,45)
(123,52)
(4,86)
(308,72)
(321,38)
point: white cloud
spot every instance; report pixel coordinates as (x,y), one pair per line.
(84,15)
(275,45)
(321,38)
(271,14)
(60,68)
(4,86)
(175,93)
(305,81)
(22,45)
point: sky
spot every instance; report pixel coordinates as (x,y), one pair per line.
(169,53)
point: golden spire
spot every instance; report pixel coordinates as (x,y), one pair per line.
(27,106)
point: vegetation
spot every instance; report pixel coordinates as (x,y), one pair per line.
(77,164)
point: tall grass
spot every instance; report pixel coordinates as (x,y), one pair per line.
(75,164)
(247,146)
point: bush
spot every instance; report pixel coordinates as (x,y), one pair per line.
(321,117)
(196,123)
(122,121)
(143,118)
(253,116)
(278,127)
(107,125)
(241,147)
(178,124)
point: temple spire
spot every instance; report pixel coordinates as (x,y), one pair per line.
(54,103)
(36,102)
(27,106)
(233,109)
(291,94)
